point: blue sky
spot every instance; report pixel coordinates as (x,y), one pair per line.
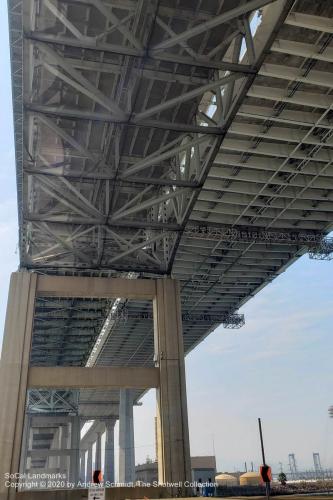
(8,216)
(279,366)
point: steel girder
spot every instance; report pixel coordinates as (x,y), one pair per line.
(52,401)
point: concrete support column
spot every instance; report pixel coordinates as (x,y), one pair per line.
(126,437)
(172,420)
(25,444)
(82,465)
(89,464)
(109,451)
(75,450)
(14,366)
(63,459)
(53,461)
(98,452)
(29,447)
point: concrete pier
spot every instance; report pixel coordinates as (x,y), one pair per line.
(89,464)
(109,463)
(126,437)
(14,367)
(168,376)
(172,421)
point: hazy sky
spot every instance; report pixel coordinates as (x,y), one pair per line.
(279,366)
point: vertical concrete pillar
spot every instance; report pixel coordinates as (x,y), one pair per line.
(82,465)
(156,439)
(75,450)
(14,367)
(126,437)
(172,420)
(89,464)
(109,451)
(29,446)
(63,459)
(53,460)
(25,444)
(98,451)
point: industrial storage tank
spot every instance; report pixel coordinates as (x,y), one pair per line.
(226,480)
(250,479)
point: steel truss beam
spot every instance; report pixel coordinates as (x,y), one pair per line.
(212,23)
(128,51)
(260,235)
(76,114)
(228,320)
(54,401)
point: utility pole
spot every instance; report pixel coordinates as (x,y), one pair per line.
(265,469)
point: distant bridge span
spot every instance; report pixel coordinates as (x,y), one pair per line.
(160,138)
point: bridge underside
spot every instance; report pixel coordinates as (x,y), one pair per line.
(147,144)
(170,138)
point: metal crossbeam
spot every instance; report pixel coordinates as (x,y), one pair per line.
(229,320)
(252,235)
(91,44)
(212,23)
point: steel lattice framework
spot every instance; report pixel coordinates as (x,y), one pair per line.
(175,137)
(118,137)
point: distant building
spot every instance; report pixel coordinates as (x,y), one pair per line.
(146,473)
(203,468)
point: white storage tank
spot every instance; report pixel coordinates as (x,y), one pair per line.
(226,480)
(250,479)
